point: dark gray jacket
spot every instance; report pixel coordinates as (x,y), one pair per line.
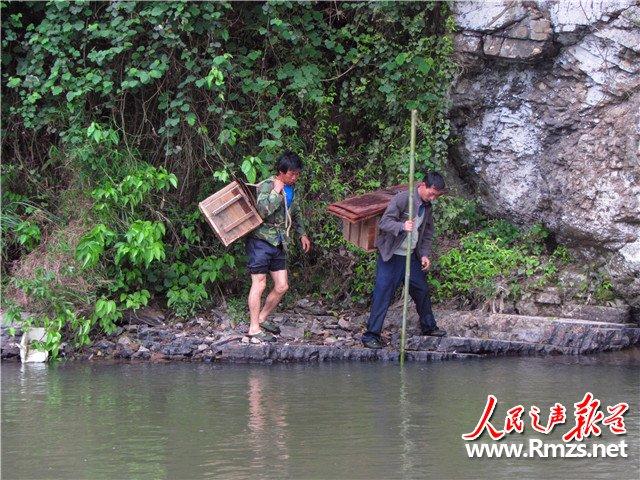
(391,232)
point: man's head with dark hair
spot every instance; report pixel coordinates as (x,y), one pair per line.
(288,161)
(434,180)
(431,187)
(289,166)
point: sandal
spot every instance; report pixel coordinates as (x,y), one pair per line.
(270,327)
(261,337)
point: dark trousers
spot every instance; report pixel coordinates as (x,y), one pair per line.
(389,276)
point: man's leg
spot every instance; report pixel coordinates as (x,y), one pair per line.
(388,277)
(258,284)
(419,292)
(280,287)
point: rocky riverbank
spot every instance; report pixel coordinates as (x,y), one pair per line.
(309,334)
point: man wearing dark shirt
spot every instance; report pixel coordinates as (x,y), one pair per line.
(392,247)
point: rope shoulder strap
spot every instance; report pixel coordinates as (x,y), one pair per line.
(288,221)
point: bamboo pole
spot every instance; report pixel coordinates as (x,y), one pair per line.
(407,269)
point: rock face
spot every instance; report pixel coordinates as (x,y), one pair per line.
(547,109)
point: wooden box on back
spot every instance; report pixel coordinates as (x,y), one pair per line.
(231,212)
(363,233)
(360,215)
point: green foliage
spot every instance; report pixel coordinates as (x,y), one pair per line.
(185,284)
(361,282)
(116,101)
(93,244)
(142,244)
(238,310)
(106,313)
(56,309)
(562,255)
(455,214)
(604,292)
(135,187)
(28,234)
(498,253)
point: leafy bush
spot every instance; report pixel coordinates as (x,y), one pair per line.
(498,252)
(185,284)
(55,308)
(454,215)
(146,108)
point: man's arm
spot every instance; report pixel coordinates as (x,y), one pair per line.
(297,219)
(424,249)
(391,221)
(268,200)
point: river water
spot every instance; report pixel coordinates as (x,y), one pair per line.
(95,421)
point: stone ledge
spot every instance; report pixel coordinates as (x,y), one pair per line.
(471,334)
(270,353)
(481,346)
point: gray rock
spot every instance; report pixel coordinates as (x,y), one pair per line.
(124,341)
(597,313)
(155,334)
(292,333)
(200,322)
(9,349)
(306,306)
(142,354)
(316,328)
(228,338)
(344,324)
(546,109)
(266,353)
(550,296)
(145,316)
(125,347)
(104,345)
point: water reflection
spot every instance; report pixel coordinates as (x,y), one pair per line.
(293,421)
(408,445)
(267,424)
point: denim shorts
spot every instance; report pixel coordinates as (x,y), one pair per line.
(264,257)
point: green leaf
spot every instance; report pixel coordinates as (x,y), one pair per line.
(289,122)
(191,119)
(246,166)
(401,58)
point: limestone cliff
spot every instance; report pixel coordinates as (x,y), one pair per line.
(547,112)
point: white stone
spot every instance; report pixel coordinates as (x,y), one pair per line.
(631,252)
(483,16)
(567,14)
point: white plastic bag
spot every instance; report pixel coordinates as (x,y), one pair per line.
(29,354)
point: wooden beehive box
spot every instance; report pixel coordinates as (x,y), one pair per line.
(360,215)
(231,212)
(363,233)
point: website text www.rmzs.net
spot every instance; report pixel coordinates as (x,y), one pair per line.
(539,449)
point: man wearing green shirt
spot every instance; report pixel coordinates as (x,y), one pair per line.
(266,246)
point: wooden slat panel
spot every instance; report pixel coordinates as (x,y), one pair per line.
(365,206)
(242,219)
(362,234)
(230,212)
(225,205)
